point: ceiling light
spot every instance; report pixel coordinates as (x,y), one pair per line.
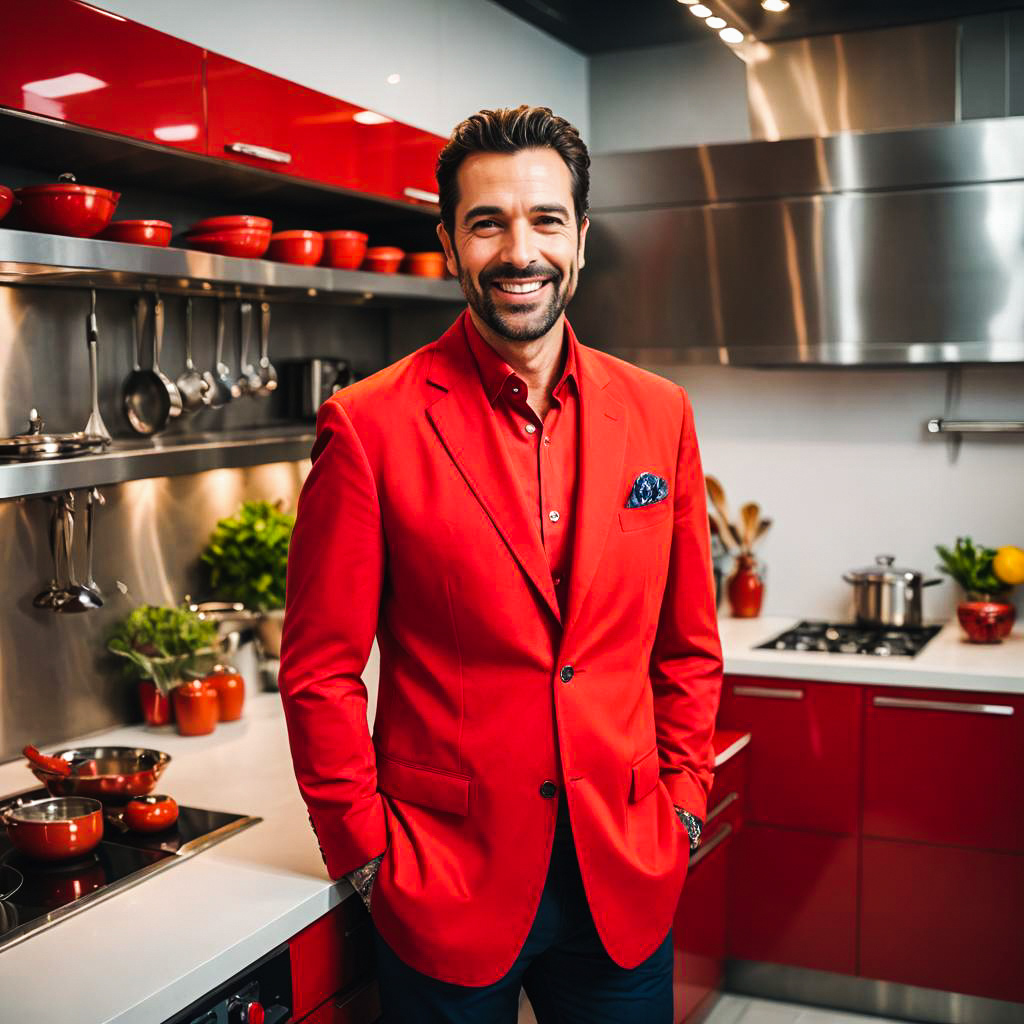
(177,132)
(775,6)
(370,117)
(394,79)
(731,35)
(64,85)
(701,11)
(715,23)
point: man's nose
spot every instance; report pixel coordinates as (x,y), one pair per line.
(519,248)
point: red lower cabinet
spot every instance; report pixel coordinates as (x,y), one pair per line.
(793,898)
(943,917)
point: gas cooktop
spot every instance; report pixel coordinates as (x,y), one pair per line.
(850,638)
(49,892)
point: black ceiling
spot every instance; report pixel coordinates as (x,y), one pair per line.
(598,26)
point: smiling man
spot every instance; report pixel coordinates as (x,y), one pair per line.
(520,520)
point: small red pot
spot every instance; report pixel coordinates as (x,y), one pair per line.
(745,589)
(138,232)
(247,243)
(344,249)
(302,247)
(230,687)
(424,264)
(383,259)
(151,813)
(232,223)
(6,201)
(195,707)
(66,208)
(156,708)
(986,622)
(56,828)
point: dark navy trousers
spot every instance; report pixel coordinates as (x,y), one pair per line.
(563,967)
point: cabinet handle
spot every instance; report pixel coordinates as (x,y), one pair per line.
(422,194)
(768,691)
(275,156)
(943,705)
(721,805)
(716,840)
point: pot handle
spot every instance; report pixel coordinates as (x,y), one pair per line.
(931,583)
(849,579)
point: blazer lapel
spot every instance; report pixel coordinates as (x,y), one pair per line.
(468,429)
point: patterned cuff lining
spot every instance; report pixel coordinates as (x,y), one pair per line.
(693,826)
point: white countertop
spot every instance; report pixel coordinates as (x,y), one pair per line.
(148,951)
(947,662)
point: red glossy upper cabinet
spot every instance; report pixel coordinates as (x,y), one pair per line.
(72,62)
(260,120)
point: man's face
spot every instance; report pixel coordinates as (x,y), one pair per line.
(517,251)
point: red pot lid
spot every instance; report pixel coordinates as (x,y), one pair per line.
(67,189)
(385,252)
(240,220)
(278,236)
(356,236)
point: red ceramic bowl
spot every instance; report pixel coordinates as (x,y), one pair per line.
(424,264)
(344,249)
(66,209)
(383,259)
(241,220)
(56,828)
(241,242)
(151,813)
(986,622)
(303,247)
(138,232)
(6,201)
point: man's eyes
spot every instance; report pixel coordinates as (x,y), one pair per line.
(485,225)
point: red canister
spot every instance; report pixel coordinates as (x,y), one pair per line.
(195,707)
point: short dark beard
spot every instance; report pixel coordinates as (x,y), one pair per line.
(482,302)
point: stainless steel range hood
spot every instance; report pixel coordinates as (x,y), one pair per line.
(896,247)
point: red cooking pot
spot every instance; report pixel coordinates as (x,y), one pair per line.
(383,259)
(344,249)
(56,828)
(139,232)
(6,201)
(66,208)
(302,247)
(240,242)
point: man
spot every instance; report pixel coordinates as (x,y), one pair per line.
(521,521)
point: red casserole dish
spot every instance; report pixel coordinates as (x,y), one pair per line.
(230,223)
(344,249)
(383,259)
(6,201)
(138,232)
(241,242)
(56,828)
(424,264)
(303,247)
(66,208)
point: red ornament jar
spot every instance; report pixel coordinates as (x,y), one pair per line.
(745,588)
(195,707)
(230,687)
(986,619)
(156,708)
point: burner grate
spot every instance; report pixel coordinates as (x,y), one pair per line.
(851,638)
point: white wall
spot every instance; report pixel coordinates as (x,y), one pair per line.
(454,56)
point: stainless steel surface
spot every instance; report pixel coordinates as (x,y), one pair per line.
(93,498)
(76,598)
(29,257)
(267,372)
(708,845)
(95,424)
(173,395)
(843,251)
(885,595)
(865,995)
(36,446)
(56,808)
(274,156)
(195,388)
(941,426)
(775,693)
(224,382)
(248,381)
(146,400)
(942,705)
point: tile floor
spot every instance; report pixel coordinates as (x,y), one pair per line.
(736,1009)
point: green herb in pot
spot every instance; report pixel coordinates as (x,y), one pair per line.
(971,566)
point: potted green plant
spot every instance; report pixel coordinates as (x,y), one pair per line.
(164,648)
(247,560)
(987,615)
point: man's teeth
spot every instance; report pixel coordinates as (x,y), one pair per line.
(523,288)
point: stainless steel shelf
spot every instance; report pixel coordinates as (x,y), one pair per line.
(28,257)
(139,460)
(942,426)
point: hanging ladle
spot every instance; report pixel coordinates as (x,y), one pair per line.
(147,403)
(196,388)
(267,373)
(224,383)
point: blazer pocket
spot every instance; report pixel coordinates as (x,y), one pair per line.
(646,773)
(645,515)
(419,784)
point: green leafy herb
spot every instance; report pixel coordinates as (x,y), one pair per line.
(247,556)
(971,566)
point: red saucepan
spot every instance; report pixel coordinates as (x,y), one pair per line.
(56,828)
(111,774)
(138,232)
(66,208)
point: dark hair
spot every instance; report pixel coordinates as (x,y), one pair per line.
(509,131)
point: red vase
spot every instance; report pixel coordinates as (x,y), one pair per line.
(745,588)
(195,707)
(986,621)
(230,687)
(156,708)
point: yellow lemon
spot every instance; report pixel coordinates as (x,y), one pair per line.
(1008,564)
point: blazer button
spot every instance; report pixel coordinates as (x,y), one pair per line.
(548,789)
(566,673)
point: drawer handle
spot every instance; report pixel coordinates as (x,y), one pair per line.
(716,840)
(768,691)
(422,194)
(721,805)
(943,705)
(274,156)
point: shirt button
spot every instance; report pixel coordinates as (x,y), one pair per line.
(554,516)
(548,789)
(566,673)
(530,428)
(515,390)
(547,440)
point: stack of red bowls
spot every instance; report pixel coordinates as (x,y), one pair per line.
(240,235)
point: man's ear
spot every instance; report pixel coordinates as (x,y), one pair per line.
(583,243)
(449,250)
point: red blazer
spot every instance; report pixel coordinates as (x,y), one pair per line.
(409,527)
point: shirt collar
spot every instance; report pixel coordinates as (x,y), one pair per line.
(495,372)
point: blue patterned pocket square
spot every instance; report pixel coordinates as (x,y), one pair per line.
(648,488)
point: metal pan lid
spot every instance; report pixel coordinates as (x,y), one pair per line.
(883,571)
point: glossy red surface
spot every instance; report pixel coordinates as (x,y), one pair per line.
(344,249)
(424,264)
(383,259)
(72,62)
(986,622)
(920,764)
(150,813)
(59,839)
(78,210)
(138,232)
(156,708)
(241,220)
(943,917)
(230,687)
(241,242)
(805,754)
(6,201)
(745,589)
(195,708)
(303,247)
